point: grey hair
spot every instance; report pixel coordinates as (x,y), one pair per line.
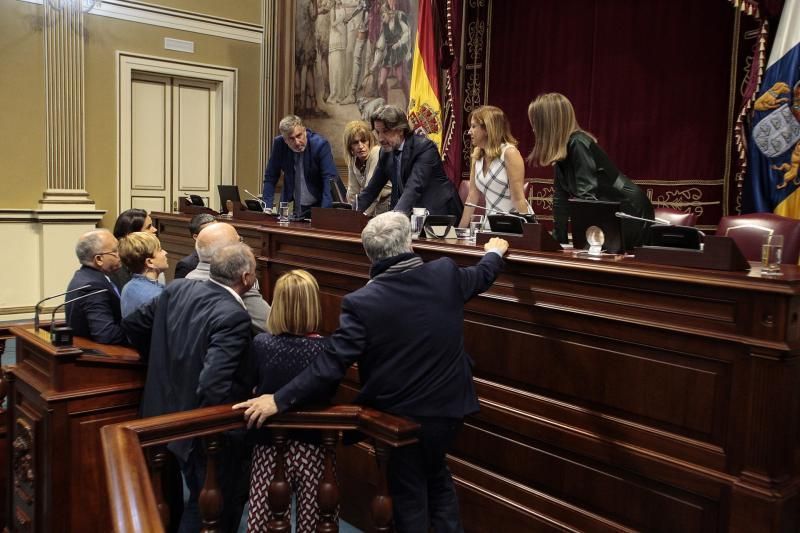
(392,117)
(387,235)
(231,262)
(288,123)
(89,245)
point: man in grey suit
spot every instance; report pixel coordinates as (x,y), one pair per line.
(210,240)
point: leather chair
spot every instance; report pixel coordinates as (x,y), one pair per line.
(675,217)
(749,231)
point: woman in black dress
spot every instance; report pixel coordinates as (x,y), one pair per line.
(582,168)
(290,346)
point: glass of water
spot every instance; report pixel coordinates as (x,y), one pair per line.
(283,212)
(771,251)
(475,226)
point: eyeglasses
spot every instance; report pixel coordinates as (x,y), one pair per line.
(112,252)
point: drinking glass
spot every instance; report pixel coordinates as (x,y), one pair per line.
(771,251)
(418,215)
(283,212)
(475,226)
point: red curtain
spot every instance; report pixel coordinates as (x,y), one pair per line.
(651,79)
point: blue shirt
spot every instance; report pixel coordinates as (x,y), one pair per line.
(137,292)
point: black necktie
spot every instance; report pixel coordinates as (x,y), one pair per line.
(397,175)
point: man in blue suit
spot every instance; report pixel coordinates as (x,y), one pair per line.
(414,367)
(413,164)
(96,317)
(306,161)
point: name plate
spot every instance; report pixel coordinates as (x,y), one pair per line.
(718,253)
(534,238)
(345,220)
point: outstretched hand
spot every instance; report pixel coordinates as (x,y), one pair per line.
(497,244)
(258,409)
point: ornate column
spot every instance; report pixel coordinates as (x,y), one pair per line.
(64,101)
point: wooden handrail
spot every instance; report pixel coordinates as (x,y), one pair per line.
(133,504)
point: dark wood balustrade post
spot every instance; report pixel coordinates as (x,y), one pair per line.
(279,491)
(382,502)
(328,492)
(158,456)
(210,501)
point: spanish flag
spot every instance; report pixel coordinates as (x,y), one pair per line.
(424,106)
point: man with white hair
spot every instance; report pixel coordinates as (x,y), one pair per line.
(413,366)
(96,317)
(209,242)
(306,161)
(195,338)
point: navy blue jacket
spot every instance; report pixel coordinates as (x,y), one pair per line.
(319,169)
(97,317)
(423,182)
(406,330)
(196,338)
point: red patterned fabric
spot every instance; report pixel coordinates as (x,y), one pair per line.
(304,468)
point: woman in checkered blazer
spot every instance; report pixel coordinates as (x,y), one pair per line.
(497,172)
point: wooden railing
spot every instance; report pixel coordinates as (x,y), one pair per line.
(135,488)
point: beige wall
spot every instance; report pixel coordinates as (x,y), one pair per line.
(242,10)
(22,146)
(22,131)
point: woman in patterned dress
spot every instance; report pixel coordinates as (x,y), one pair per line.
(497,171)
(290,346)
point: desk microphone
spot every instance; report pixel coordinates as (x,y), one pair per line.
(259,200)
(62,335)
(620,214)
(37,308)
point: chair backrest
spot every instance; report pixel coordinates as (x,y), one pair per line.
(749,231)
(675,217)
(463,192)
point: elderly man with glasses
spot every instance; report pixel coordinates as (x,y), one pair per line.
(98,316)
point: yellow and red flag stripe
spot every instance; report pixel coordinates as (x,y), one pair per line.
(424,106)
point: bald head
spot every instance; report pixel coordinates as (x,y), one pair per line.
(213,238)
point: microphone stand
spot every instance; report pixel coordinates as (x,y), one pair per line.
(37,309)
(62,335)
(259,200)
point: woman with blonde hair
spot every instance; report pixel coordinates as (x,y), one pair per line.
(497,171)
(142,255)
(582,168)
(290,346)
(361,153)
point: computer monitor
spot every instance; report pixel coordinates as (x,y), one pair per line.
(587,213)
(228,192)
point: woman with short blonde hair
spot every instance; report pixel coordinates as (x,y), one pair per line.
(497,171)
(290,346)
(142,255)
(582,169)
(361,153)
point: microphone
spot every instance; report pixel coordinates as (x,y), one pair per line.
(259,200)
(62,335)
(620,214)
(470,204)
(37,308)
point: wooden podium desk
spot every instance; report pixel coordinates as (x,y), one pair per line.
(615,395)
(58,399)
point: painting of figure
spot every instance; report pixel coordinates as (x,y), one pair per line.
(350,57)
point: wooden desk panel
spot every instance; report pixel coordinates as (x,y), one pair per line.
(615,395)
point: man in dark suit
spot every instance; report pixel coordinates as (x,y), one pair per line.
(413,165)
(189,263)
(306,161)
(414,367)
(196,337)
(96,317)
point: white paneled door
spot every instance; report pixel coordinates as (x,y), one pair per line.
(175,141)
